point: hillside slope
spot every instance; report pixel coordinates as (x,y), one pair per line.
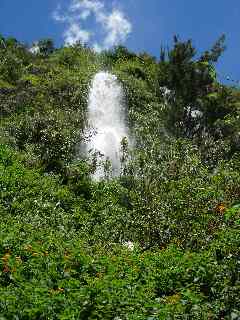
(161,241)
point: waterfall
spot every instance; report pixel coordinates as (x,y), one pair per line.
(106,120)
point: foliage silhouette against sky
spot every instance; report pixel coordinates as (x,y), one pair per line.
(140,25)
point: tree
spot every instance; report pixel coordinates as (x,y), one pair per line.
(190,80)
(46,47)
(119,52)
(216,51)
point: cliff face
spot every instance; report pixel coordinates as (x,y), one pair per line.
(160,240)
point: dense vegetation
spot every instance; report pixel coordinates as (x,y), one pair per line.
(161,241)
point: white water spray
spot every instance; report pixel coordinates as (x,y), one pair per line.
(106,119)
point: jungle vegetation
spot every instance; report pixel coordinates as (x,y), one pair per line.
(161,241)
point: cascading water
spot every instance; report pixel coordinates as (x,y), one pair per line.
(106,120)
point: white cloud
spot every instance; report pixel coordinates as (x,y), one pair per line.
(117,27)
(74,34)
(92,5)
(97,47)
(85,14)
(112,24)
(57,16)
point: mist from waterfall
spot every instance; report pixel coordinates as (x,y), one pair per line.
(106,118)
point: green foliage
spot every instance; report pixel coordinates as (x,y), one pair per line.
(216,51)
(52,137)
(45,47)
(10,67)
(174,196)
(161,241)
(193,82)
(119,53)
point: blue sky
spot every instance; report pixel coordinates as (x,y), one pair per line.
(142,25)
